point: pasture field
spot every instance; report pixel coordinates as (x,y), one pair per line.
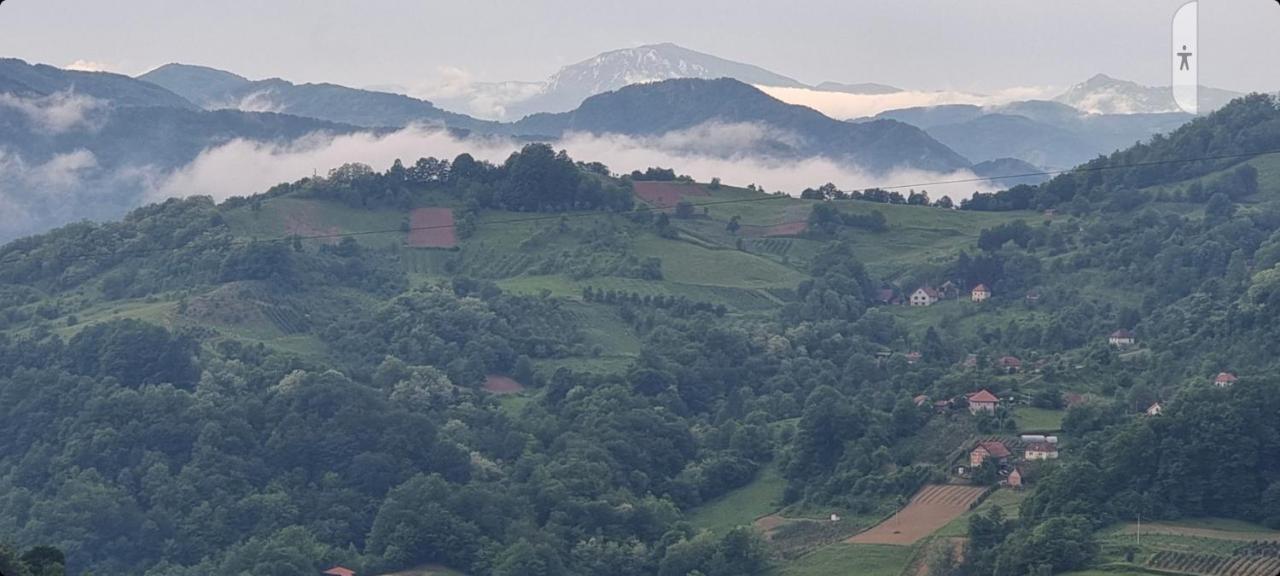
(284,217)
(743,506)
(1034,420)
(851,559)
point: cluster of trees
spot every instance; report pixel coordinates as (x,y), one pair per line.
(825,219)
(680,305)
(829,191)
(534,179)
(657,174)
(36,561)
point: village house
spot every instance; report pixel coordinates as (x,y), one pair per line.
(1033,297)
(980,293)
(1225,380)
(1009,364)
(991,449)
(1122,339)
(1155,409)
(948,290)
(920,400)
(1040,451)
(339,571)
(1015,479)
(914,357)
(925,296)
(983,401)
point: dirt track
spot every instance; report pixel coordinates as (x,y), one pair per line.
(1202,532)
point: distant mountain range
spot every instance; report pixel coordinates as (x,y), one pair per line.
(786,131)
(573,84)
(213,89)
(92,128)
(1103,94)
(1046,134)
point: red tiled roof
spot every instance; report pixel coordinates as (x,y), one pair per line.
(1122,334)
(981,288)
(1042,447)
(1010,362)
(983,397)
(930,291)
(1225,378)
(339,571)
(995,449)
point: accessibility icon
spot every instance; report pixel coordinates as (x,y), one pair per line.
(1185,56)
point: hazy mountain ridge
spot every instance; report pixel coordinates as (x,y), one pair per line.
(20,78)
(1103,94)
(214,89)
(797,131)
(1043,133)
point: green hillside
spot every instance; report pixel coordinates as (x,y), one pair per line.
(527,368)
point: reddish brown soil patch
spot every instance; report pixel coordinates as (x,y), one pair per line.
(932,508)
(768,524)
(665,195)
(432,228)
(502,385)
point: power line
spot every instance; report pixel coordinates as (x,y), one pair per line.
(644,209)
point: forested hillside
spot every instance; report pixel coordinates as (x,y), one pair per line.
(543,368)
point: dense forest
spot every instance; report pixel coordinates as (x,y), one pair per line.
(169,448)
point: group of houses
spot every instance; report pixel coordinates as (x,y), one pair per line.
(1013,468)
(928,296)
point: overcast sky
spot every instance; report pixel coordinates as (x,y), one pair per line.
(923,44)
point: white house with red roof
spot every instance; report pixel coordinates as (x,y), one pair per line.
(980,293)
(983,401)
(1225,380)
(1122,338)
(925,296)
(1040,451)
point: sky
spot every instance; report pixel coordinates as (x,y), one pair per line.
(974,45)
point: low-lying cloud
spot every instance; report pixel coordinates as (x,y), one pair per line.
(55,113)
(36,196)
(242,168)
(850,106)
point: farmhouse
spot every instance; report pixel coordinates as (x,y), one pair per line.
(1155,409)
(1014,480)
(924,296)
(339,571)
(983,401)
(1122,338)
(1009,364)
(980,293)
(1225,380)
(1040,451)
(991,449)
(949,290)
